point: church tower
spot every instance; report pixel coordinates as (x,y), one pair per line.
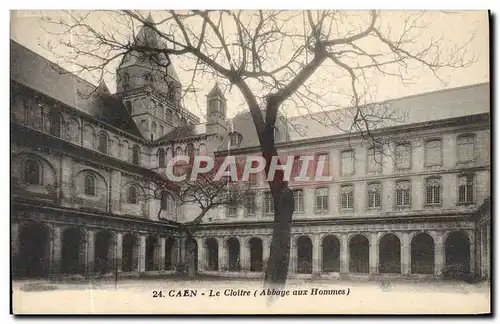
(216,111)
(149,87)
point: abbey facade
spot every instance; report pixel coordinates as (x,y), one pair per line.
(81,158)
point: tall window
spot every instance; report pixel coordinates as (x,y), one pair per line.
(403,193)
(168,115)
(276,134)
(232,210)
(235,139)
(321,199)
(347,197)
(136,151)
(162,130)
(250,203)
(89,185)
(347,162)
(433,191)
(103,143)
(403,156)
(298,200)
(268,203)
(466,189)
(433,154)
(178,151)
(161,158)
(55,124)
(324,157)
(190,151)
(126,81)
(128,105)
(465,148)
(374,194)
(375,156)
(32,172)
(132,195)
(153,131)
(164,201)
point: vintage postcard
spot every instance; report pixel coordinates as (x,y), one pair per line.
(250,162)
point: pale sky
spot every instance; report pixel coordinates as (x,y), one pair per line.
(456,28)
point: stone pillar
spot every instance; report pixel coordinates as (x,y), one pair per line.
(373,257)
(439,254)
(182,249)
(201,254)
(161,254)
(405,254)
(244,254)
(488,254)
(141,257)
(472,249)
(55,264)
(119,252)
(222,254)
(90,253)
(114,192)
(344,254)
(266,249)
(483,252)
(292,265)
(14,241)
(316,251)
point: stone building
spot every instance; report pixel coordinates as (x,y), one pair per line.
(82,156)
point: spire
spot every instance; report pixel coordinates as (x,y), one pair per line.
(216,91)
(147,35)
(103,88)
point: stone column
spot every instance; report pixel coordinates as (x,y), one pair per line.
(141,257)
(161,254)
(373,257)
(14,244)
(244,254)
(472,249)
(201,254)
(222,254)
(344,254)
(266,249)
(55,264)
(316,251)
(119,252)
(439,254)
(483,252)
(90,252)
(292,265)
(405,254)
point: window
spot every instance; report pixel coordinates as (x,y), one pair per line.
(178,151)
(89,185)
(276,134)
(128,105)
(55,124)
(132,195)
(347,197)
(235,139)
(324,157)
(164,201)
(403,156)
(466,189)
(153,131)
(184,121)
(136,151)
(32,172)
(190,151)
(250,203)
(232,210)
(162,130)
(375,159)
(321,199)
(168,115)
(103,143)
(374,200)
(347,162)
(433,191)
(298,200)
(403,193)
(126,81)
(433,154)
(268,203)
(465,148)
(171,92)
(161,158)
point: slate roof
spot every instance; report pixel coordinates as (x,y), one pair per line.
(39,74)
(183,132)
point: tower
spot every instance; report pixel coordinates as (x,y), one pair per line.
(216,111)
(148,85)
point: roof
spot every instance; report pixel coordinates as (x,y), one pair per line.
(183,132)
(216,91)
(38,73)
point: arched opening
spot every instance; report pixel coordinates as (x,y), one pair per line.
(255,245)
(73,251)
(32,172)
(359,254)
(233,253)
(132,195)
(90,185)
(331,254)
(161,158)
(130,253)
(151,253)
(422,254)
(55,124)
(457,255)
(192,250)
(103,143)
(169,249)
(34,251)
(389,254)
(136,151)
(304,255)
(104,252)
(212,248)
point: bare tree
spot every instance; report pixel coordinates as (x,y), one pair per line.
(276,59)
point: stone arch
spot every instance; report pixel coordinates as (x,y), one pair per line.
(130,248)
(457,254)
(169,252)
(74,249)
(359,253)
(160,154)
(152,253)
(105,252)
(389,254)
(212,253)
(422,253)
(255,245)
(304,254)
(88,136)
(33,258)
(72,131)
(331,253)
(233,250)
(99,177)
(103,142)
(47,172)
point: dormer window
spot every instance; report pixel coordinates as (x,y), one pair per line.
(235,139)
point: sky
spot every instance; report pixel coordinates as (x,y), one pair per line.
(26,29)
